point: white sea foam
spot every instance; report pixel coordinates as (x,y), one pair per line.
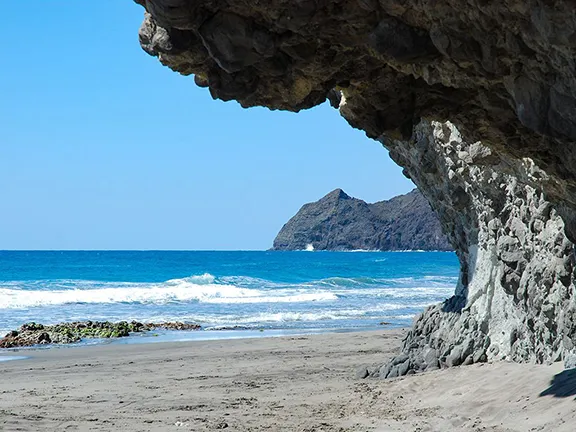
(401,317)
(407,282)
(382,311)
(413,293)
(197,288)
(206,288)
(203,279)
(295,298)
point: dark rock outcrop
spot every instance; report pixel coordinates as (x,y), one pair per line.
(340,222)
(476,100)
(31,334)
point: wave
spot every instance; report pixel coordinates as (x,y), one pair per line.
(401,282)
(207,288)
(282,317)
(192,289)
(412,293)
(203,279)
(210,321)
(347,282)
(240,281)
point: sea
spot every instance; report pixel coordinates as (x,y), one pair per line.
(230,294)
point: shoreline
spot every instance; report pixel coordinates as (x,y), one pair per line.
(40,353)
(199,335)
(294,383)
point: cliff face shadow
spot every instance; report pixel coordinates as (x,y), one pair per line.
(454,304)
(562,385)
(458,301)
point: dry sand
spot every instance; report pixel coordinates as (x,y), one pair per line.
(275,384)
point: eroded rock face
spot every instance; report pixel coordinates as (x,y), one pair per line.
(503,74)
(515,297)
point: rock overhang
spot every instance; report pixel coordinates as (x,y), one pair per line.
(503,74)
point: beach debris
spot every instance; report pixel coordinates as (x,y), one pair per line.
(32,333)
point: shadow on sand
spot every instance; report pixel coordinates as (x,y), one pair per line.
(562,385)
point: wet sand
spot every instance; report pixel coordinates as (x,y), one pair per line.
(299,383)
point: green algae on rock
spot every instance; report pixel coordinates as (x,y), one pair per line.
(31,334)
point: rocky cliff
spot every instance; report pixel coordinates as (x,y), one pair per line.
(515,296)
(476,100)
(340,222)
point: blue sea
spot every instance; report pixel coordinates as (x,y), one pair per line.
(267,292)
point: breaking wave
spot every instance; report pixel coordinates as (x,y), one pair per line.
(203,288)
(206,288)
(228,301)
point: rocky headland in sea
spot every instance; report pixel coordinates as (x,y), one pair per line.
(340,222)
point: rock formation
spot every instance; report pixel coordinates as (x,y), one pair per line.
(31,334)
(476,100)
(340,222)
(515,296)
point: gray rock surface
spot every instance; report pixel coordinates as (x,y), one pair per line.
(515,296)
(361,372)
(419,76)
(570,361)
(340,222)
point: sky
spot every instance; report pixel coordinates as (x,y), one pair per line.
(102,147)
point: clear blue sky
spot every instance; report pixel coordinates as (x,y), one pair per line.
(101,147)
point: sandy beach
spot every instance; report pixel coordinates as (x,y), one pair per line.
(301,383)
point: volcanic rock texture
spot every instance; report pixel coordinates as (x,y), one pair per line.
(475,99)
(515,297)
